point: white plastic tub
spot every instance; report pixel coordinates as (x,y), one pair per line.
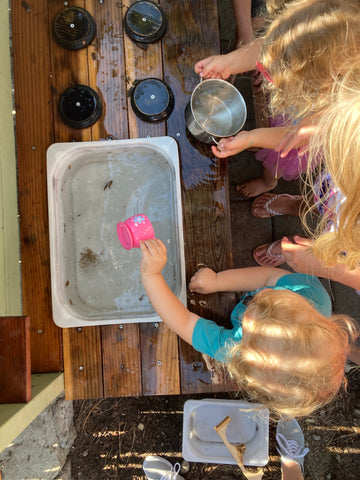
(249,425)
(91,187)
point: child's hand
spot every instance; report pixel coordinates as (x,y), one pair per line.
(216,66)
(299,257)
(204,281)
(298,137)
(233,145)
(153,257)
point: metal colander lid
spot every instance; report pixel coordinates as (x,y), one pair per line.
(80,106)
(145,22)
(152,100)
(74,28)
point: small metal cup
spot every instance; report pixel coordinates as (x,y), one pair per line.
(216,110)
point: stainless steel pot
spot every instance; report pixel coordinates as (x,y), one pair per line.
(216,110)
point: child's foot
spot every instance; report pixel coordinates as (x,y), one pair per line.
(273,204)
(269,254)
(255,187)
(291,444)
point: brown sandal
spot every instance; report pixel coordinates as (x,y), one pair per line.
(275,259)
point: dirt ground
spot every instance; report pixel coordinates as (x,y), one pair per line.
(115,435)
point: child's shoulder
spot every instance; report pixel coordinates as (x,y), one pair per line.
(309,287)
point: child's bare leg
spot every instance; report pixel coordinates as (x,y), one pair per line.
(246,26)
(260,185)
(291,471)
(242,14)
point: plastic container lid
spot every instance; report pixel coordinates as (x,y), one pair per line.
(80,106)
(145,22)
(152,100)
(74,28)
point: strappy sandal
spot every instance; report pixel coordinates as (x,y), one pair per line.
(274,259)
(266,207)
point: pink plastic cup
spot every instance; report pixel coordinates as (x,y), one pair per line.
(134,229)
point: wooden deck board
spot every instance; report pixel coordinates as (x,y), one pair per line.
(192,35)
(34,133)
(83,363)
(15,363)
(121,360)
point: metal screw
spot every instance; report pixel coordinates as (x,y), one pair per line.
(178,134)
(34,147)
(66,3)
(81,368)
(152,96)
(78,104)
(196,366)
(72,25)
(79,329)
(159,362)
(39,331)
(144,19)
(122,366)
(121,327)
(156,325)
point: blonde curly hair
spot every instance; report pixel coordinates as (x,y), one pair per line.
(307,46)
(338,140)
(291,358)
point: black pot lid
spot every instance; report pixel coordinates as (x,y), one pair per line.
(152,100)
(145,22)
(74,28)
(80,106)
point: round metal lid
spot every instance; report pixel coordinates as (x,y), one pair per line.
(145,22)
(74,28)
(152,100)
(80,106)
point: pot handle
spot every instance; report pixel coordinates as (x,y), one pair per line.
(215,141)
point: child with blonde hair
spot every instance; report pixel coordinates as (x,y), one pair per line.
(285,347)
(306,47)
(338,138)
(334,251)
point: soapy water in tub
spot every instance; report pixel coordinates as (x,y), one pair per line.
(108,187)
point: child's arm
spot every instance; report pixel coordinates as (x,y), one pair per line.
(298,136)
(206,280)
(259,137)
(238,61)
(165,303)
